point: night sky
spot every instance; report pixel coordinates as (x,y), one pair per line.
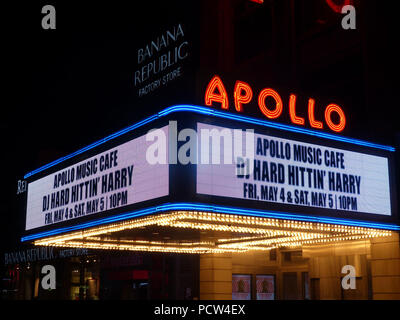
(66,88)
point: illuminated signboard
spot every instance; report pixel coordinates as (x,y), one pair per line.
(115,178)
(298,174)
(295,173)
(216,93)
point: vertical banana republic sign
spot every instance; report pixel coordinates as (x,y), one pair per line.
(160,60)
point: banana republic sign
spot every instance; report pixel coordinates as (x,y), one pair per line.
(41,254)
(160,61)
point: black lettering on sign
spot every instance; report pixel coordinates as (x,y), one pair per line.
(109,160)
(342,182)
(268,172)
(115,180)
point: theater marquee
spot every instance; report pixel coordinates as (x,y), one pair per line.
(296,173)
(288,173)
(116,178)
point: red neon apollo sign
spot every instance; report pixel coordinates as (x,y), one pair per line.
(243,94)
(337,7)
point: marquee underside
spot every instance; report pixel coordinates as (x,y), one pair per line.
(208,232)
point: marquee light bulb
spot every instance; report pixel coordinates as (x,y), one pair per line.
(264,233)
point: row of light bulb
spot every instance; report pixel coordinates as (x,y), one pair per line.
(266,233)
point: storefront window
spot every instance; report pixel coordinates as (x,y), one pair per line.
(85,279)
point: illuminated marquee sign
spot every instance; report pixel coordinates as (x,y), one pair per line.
(118,177)
(296,173)
(243,94)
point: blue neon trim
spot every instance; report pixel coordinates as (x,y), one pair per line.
(266,123)
(220,114)
(216,209)
(91,146)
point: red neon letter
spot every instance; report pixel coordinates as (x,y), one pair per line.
(261,103)
(292,111)
(239,98)
(342,122)
(314,123)
(221,97)
(338,7)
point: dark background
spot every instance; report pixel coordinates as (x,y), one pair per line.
(69,87)
(66,88)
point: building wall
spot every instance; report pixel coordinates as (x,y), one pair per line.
(376,262)
(325,266)
(385,267)
(215,277)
